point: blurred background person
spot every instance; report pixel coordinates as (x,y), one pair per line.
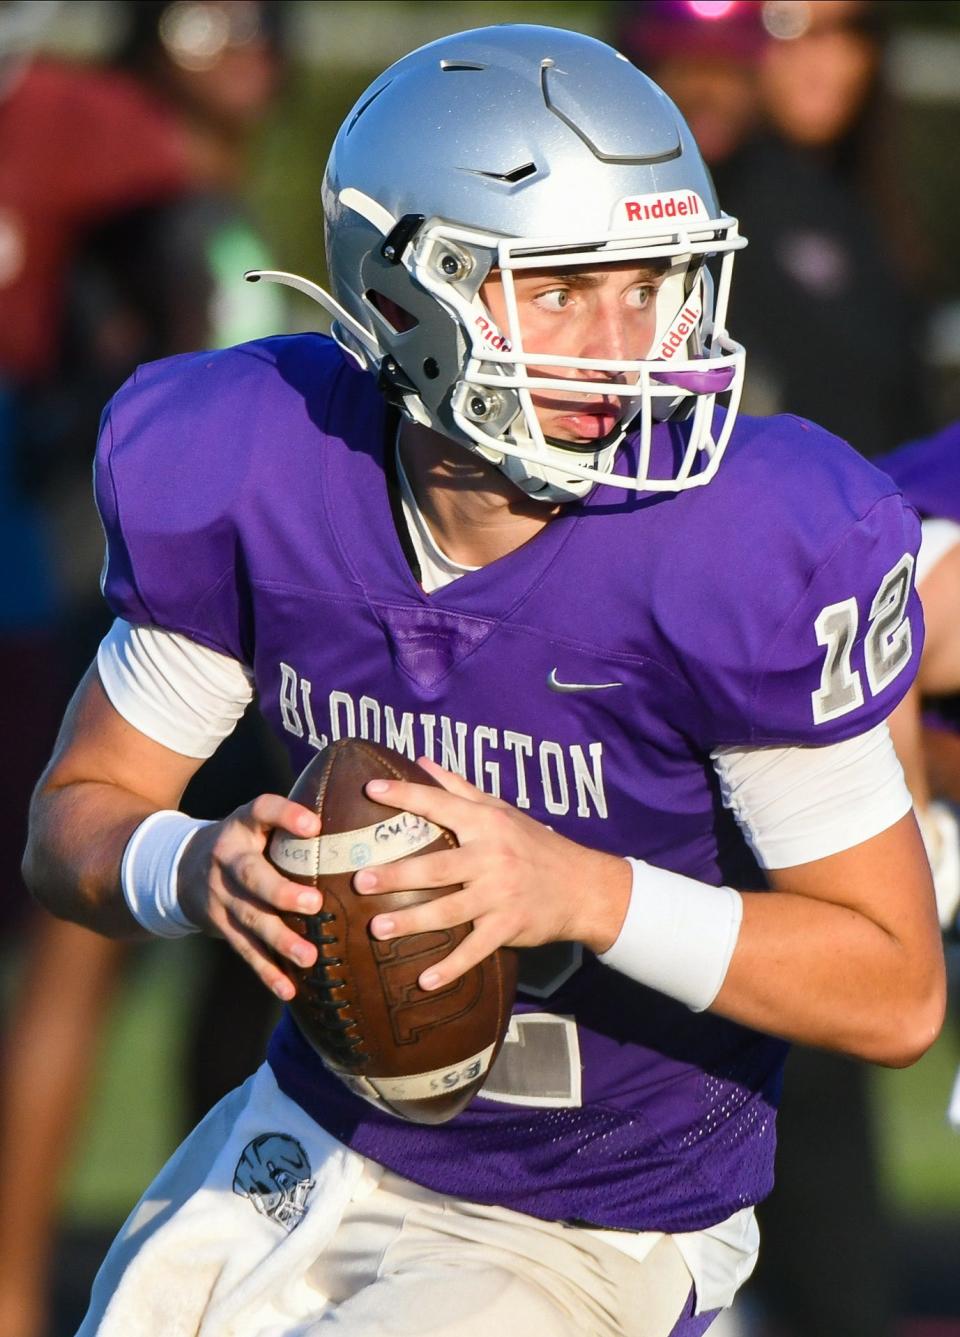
(155,278)
(120,266)
(55,120)
(790,101)
(787,98)
(847,251)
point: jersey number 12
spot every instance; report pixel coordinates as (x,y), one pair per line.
(887,645)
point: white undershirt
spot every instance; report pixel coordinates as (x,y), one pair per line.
(794,804)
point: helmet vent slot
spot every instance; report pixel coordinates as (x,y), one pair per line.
(397,317)
(360,110)
(514,175)
(449,66)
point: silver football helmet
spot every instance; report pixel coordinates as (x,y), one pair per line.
(274,1173)
(511,149)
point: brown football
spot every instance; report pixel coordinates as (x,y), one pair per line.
(423,1056)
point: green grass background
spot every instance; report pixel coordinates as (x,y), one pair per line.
(135,1110)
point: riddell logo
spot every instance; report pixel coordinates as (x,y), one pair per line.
(681,329)
(665,205)
(491,335)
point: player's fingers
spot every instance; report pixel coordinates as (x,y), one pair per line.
(442,868)
(454,783)
(476,947)
(444,912)
(251,950)
(436,805)
(270,810)
(248,874)
(263,927)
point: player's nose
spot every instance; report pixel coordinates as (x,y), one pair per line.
(611,334)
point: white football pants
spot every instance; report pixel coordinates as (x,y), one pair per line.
(262,1225)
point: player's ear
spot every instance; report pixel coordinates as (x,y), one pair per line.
(399,319)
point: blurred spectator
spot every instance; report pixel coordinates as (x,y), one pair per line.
(55,120)
(708,58)
(156,280)
(125,240)
(820,75)
(76,145)
(799,146)
(787,100)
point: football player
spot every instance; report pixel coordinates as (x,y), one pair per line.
(928,471)
(924,724)
(502,522)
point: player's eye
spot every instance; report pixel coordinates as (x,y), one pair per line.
(642,297)
(556,299)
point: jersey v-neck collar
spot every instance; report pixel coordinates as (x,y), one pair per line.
(369,529)
(436,569)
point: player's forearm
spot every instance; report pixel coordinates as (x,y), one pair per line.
(827,975)
(77,836)
(844,953)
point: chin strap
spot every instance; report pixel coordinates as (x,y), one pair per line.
(551,485)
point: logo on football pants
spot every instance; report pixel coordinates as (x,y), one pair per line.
(274,1173)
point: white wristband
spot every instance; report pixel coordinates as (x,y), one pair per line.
(678,935)
(148,872)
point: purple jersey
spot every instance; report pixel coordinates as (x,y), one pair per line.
(245,502)
(928,473)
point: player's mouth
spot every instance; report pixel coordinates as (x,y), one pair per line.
(578,420)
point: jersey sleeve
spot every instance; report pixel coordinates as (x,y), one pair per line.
(169,479)
(196,464)
(794,614)
(847,650)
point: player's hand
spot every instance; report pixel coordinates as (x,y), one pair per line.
(522,884)
(227,887)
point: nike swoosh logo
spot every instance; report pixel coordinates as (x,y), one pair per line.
(556,686)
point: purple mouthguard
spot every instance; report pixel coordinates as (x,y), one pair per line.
(711,381)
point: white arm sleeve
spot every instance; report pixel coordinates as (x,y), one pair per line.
(173,690)
(937,537)
(796,804)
